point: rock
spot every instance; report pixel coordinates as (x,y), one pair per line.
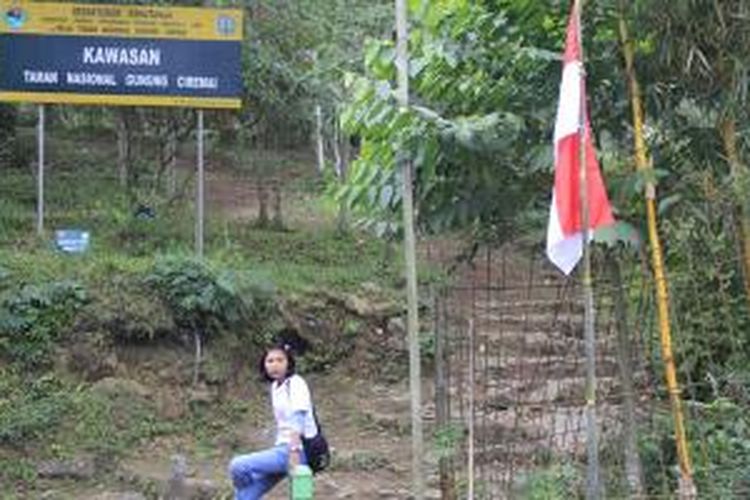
(171,405)
(88,356)
(201,489)
(202,395)
(396,326)
(112,386)
(370,307)
(80,468)
(176,488)
(113,495)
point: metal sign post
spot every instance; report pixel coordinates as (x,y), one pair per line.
(40,172)
(199,191)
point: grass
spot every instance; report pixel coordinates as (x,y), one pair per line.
(81,194)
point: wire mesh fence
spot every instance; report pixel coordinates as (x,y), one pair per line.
(510,381)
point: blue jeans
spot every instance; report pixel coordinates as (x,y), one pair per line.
(255,474)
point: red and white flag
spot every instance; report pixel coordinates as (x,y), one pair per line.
(565,231)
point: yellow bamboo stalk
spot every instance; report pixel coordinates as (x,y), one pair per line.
(687,487)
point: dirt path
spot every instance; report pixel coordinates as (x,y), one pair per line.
(367,426)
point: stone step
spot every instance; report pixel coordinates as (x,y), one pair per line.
(539,394)
(534,342)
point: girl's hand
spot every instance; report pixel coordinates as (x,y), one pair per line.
(293,459)
(295,448)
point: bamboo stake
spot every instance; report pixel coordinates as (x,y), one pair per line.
(593,488)
(402,65)
(472,368)
(687,486)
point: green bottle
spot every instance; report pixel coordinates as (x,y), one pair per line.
(301,483)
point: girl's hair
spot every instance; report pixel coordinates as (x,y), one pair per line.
(290,363)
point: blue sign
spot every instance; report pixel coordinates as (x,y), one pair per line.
(118,66)
(72,240)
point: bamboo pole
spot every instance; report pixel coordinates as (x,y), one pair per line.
(402,65)
(593,487)
(687,486)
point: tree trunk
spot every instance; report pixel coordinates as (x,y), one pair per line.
(198,356)
(338,160)
(263,219)
(262,159)
(319,138)
(633,467)
(278,220)
(343,156)
(172,158)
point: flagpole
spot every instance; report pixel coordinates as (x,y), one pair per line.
(593,490)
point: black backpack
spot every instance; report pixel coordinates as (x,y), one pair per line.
(316,448)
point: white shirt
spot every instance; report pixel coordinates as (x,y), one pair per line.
(289,397)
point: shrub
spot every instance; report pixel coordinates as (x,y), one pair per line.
(28,415)
(34,317)
(198,297)
(207,302)
(719,439)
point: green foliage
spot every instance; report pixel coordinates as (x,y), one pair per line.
(294,56)
(13,154)
(16,471)
(27,415)
(719,439)
(447,440)
(472,139)
(58,419)
(303,261)
(108,423)
(427,345)
(34,317)
(555,482)
(714,326)
(352,328)
(199,297)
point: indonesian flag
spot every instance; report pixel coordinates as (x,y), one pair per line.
(565,231)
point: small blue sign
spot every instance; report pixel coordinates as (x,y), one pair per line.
(72,240)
